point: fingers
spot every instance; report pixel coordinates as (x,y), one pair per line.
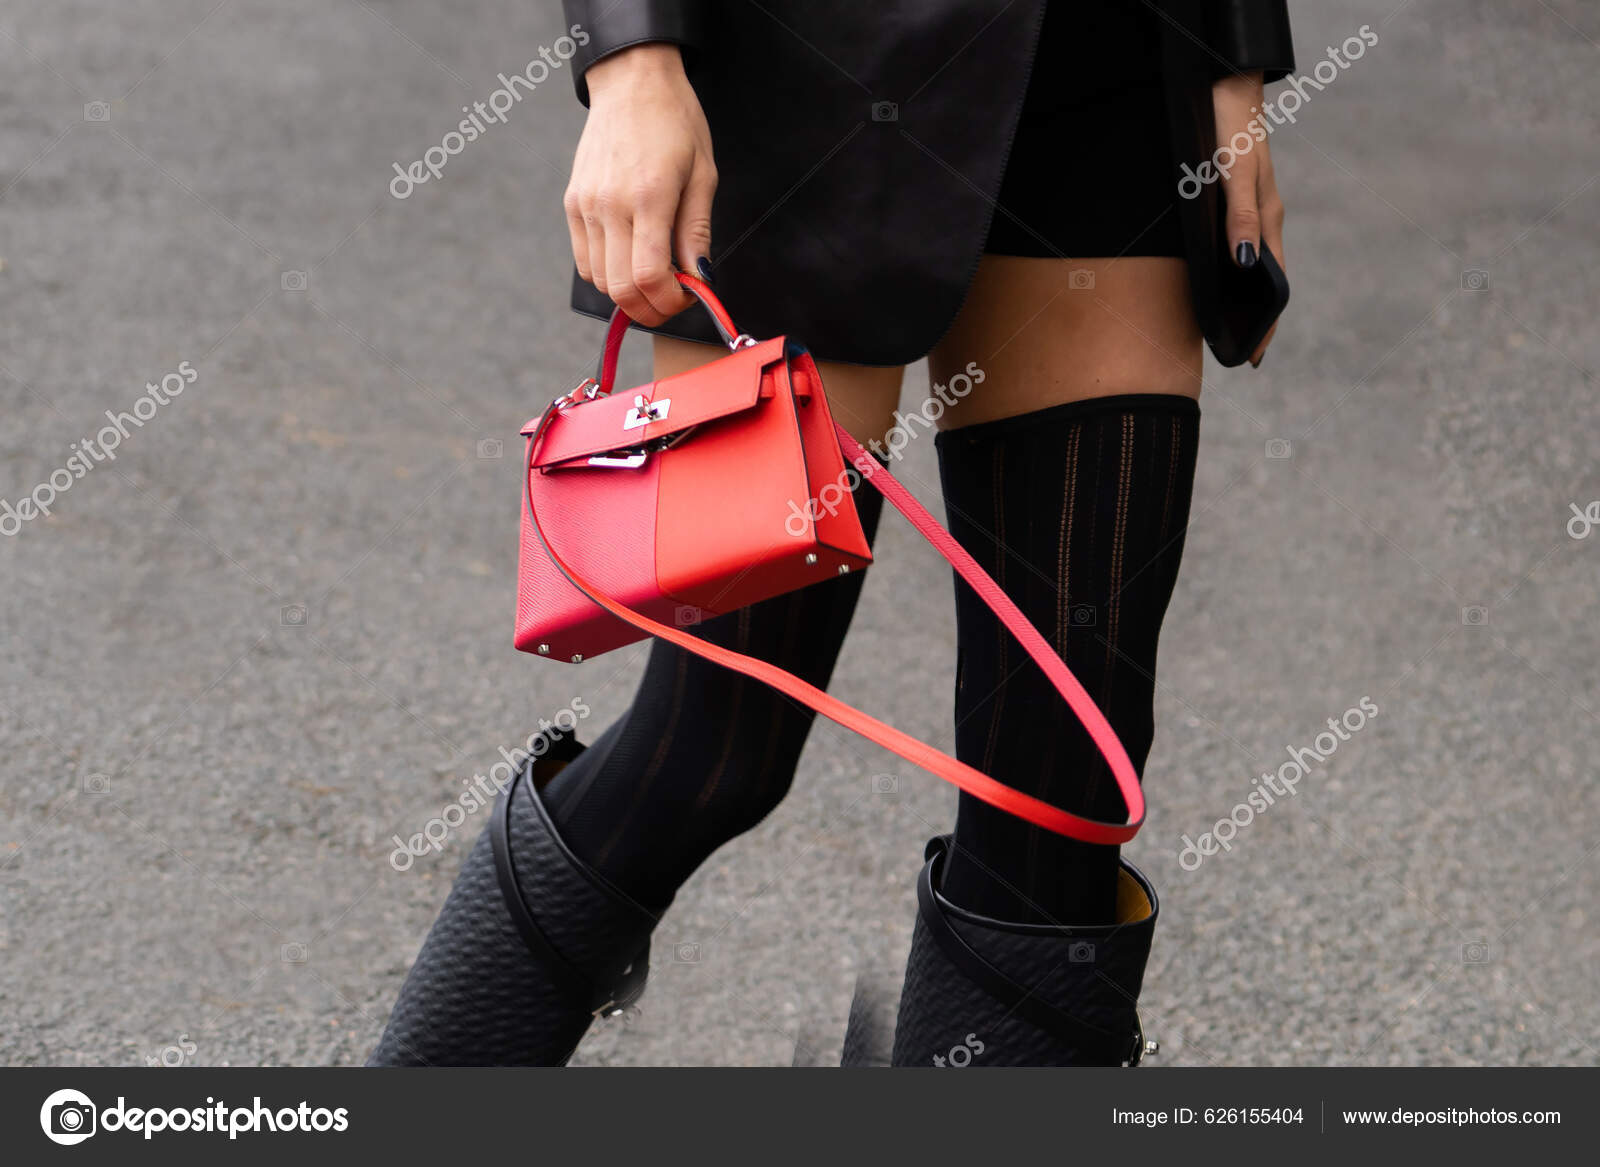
(609,245)
(642,182)
(578,231)
(619,265)
(1271,206)
(595,231)
(1239,188)
(622,243)
(691,233)
(1255,357)
(1234,100)
(658,293)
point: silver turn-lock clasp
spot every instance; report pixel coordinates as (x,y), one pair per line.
(644,412)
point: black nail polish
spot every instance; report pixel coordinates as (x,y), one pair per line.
(704,266)
(1245,254)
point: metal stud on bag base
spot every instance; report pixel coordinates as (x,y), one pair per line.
(986,992)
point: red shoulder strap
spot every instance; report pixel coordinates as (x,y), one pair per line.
(973,781)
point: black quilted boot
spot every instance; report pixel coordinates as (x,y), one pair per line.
(985,992)
(531,946)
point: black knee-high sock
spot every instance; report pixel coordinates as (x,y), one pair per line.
(1079,513)
(703,753)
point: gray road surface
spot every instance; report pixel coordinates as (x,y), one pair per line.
(275,631)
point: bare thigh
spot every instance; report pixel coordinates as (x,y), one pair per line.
(861,397)
(1049,331)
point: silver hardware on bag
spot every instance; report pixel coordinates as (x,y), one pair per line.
(811,557)
(622,462)
(589,387)
(545,649)
(636,456)
(644,412)
(743,340)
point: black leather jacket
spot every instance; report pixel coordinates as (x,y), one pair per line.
(835,227)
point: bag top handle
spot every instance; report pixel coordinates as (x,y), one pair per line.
(605,373)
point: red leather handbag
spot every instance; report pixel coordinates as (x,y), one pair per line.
(647,511)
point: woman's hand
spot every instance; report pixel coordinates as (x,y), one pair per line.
(642,182)
(1255,212)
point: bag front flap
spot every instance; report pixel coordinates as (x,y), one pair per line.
(720,389)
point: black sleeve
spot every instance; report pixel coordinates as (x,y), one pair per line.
(603,27)
(1250,35)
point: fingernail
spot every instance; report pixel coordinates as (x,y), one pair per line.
(703,265)
(1245,254)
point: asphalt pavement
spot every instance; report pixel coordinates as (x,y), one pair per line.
(274,630)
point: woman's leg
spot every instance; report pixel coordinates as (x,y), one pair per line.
(1067,473)
(598,850)
(704,754)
